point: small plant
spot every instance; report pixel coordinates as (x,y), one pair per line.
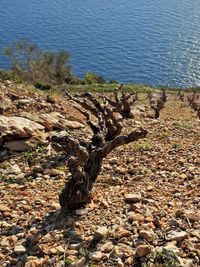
(176,145)
(42,86)
(164,258)
(142,146)
(9,75)
(31,155)
(91,78)
(182,125)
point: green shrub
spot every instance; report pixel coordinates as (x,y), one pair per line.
(42,86)
(8,75)
(32,63)
(91,78)
(113,82)
(162,258)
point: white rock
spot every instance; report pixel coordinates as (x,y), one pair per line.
(19,127)
(20,249)
(14,169)
(96,256)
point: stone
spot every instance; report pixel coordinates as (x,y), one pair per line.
(132,216)
(18,145)
(177,236)
(55,206)
(120,263)
(149,188)
(24,102)
(19,127)
(4,208)
(26,208)
(107,247)
(75,246)
(123,233)
(193,216)
(113,161)
(52,121)
(55,172)
(100,233)
(81,212)
(133,198)
(72,252)
(14,169)
(20,249)
(60,250)
(52,251)
(147,235)
(172,246)
(183,176)
(79,263)
(143,250)
(96,256)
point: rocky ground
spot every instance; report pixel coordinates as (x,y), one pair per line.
(145,209)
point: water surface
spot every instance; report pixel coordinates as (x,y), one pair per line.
(155,42)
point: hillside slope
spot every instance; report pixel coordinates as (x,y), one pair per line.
(147,197)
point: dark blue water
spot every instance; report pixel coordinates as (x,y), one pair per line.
(156,42)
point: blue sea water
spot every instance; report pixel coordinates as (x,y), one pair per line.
(155,42)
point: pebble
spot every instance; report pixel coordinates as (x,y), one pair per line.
(4,208)
(19,249)
(177,236)
(96,256)
(147,235)
(132,216)
(100,233)
(75,246)
(79,263)
(143,250)
(123,233)
(107,247)
(133,198)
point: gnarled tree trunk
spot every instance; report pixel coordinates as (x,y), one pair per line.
(85,158)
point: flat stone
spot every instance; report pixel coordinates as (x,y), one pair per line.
(193,216)
(133,198)
(19,127)
(81,212)
(18,145)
